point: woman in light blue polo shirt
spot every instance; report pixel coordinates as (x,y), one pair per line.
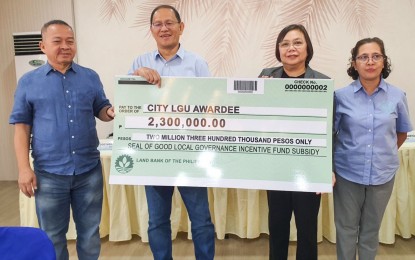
(371,123)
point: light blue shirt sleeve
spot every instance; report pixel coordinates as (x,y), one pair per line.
(403,123)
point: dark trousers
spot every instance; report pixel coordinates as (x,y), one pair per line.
(305,206)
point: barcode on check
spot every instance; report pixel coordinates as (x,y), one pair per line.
(245,85)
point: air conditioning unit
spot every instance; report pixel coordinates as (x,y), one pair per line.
(27,54)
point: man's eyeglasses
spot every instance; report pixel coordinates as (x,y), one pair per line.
(287,44)
(168,24)
(365,58)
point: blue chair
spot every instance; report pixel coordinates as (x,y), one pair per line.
(25,243)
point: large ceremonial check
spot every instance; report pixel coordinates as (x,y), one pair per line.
(260,133)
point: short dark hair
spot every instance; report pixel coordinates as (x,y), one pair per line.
(284,32)
(352,72)
(46,25)
(176,13)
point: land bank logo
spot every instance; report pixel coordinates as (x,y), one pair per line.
(124,164)
(305,86)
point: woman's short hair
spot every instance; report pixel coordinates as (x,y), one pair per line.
(352,72)
(284,32)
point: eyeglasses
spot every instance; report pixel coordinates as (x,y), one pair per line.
(287,44)
(365,58)
(168,24)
